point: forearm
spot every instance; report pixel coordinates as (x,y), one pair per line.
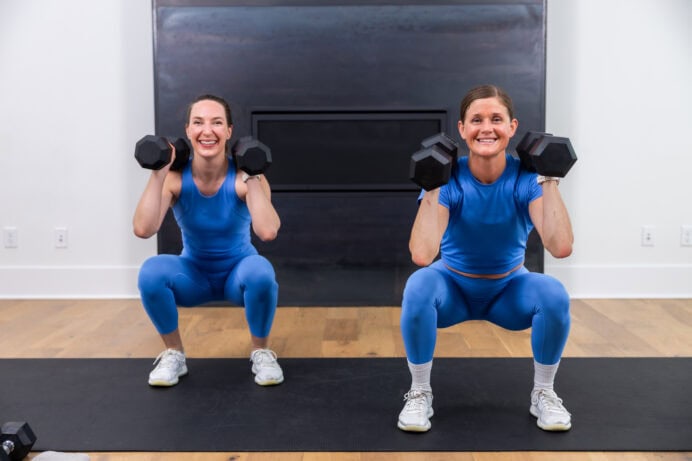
(424,244)
(265,219)
(146,220)
(557,227)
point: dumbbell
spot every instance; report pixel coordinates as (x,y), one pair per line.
(251,155)
(16,441)
(546,154)
(154,152)
(431,167)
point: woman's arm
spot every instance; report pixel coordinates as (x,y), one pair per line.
(428,228)
(549,216)
(157,197)
(257,195)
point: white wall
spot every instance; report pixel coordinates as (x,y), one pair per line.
(76,92)
(619,75)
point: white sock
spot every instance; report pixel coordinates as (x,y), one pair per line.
(544,375)
(420,375)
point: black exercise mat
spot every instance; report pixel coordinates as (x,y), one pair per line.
(624,404)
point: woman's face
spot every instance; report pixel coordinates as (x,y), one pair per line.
(487,127)
(208,129)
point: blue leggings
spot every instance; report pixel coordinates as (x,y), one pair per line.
(167,281)
(436,297)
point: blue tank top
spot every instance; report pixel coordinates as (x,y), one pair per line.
(214,228)
(489,224)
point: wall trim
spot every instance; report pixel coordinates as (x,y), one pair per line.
(115,282)
(625,281)
(68,282)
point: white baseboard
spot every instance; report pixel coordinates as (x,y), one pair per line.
(618,281)
(103,282)
(68,282)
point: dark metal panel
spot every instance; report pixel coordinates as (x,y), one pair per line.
(361,57)
(375,56)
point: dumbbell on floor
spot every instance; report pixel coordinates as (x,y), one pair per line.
(16,441)
(546,154)
(431,167)
(251,155)
(154,152)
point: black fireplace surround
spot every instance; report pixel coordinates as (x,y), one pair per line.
(343,92)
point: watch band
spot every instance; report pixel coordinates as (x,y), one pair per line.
(246,177)
(540,179)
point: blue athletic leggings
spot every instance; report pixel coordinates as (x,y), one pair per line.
(168,281)
(436,297)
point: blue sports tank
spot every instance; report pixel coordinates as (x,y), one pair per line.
(214,228)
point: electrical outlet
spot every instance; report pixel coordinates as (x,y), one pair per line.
(61,237)
(10,237)
(648,239)
(686,236)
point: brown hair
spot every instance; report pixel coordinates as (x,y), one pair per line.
(210,97)
(483,92)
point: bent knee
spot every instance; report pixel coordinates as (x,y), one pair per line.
(419,291)
(151,275)
(260,273)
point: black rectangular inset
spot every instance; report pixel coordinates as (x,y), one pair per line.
(344,151)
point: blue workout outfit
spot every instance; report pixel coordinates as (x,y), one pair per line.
(218,261)
(489,225)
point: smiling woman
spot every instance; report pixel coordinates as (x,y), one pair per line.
(479,222)
(215,209)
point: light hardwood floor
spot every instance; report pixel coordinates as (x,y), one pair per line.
(120,328)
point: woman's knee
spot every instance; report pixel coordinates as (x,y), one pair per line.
(152,275)
(259,273)
(557,300)
(419,292)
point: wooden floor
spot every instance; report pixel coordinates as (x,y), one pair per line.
(120,328)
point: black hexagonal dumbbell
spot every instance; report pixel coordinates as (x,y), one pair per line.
(251,155)
(431,167)
(16,441)
(546,154)
(154,152)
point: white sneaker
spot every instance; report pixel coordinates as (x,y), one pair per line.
(547,407)
(415,417)
(171,366)
(265,367)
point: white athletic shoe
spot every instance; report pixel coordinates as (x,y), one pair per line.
(265,367)
(415,417)
(171,366)
(548,408)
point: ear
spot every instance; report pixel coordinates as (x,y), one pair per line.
(230,132)
(460,126)
(514,124)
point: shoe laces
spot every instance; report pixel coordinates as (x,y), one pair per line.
(263,357)
(416,401)
(168,359)
(550,401)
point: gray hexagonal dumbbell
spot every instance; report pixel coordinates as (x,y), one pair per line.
(251,155)
(154,152)
(546,154)
(16,440)
(431,167)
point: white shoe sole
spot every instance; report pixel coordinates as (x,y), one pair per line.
(269,382)
(412,428)
(162,383)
